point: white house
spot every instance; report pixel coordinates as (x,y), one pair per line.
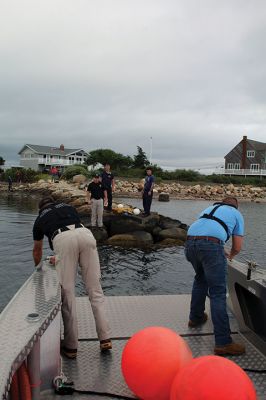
(40,157)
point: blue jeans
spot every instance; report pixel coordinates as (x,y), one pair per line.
(209,262)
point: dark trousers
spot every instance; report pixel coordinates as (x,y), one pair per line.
(147,200)
(209,262)
(110,198)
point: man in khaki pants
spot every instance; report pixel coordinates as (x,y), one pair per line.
(73,244)
(96,195)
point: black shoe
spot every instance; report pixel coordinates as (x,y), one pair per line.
(106,345)
(69,353)
(194,324)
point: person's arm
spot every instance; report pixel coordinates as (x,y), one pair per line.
(105,198)
(113,184)
(236,246)
(37,251)
(151,188)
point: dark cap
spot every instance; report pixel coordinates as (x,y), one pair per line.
(45,201)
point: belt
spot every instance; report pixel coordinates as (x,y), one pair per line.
(64,229)
(209,238)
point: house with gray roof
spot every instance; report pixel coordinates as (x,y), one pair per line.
(247,158)
(42,158)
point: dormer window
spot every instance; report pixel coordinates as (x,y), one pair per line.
(251,153)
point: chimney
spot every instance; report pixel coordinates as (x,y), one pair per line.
(244,152)
(62,147)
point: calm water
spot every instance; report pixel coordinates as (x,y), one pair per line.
(124,272)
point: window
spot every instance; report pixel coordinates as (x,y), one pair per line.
(230,166)
(237,166)
(254,167)
(251,153)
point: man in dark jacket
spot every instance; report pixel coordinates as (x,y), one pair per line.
(108,182)
(73,244)
(148,192)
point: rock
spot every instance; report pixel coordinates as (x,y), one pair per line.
(163,196)
(83,210)
(78,202)
(171,242)
(133,239)
(100,234)
(124,224)
(172,233)
(166,222)
(79,179)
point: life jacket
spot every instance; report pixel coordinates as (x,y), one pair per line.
(221,222)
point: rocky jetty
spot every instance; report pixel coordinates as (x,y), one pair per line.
(126,229)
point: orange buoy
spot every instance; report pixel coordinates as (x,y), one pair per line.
(150,361)
(212,378)
(24,383)
(14,389)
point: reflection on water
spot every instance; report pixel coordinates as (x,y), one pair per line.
(124,271)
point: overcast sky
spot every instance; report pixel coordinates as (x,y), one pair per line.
(114,73)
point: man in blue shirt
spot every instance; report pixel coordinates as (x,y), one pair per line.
(148,192)
(205,250)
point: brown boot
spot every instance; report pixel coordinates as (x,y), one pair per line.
(106,345)
(194,324)
(231,349)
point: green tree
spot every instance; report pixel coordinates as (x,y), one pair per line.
(2,161)
(140,159)
(101,156)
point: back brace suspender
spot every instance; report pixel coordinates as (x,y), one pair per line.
(221,222)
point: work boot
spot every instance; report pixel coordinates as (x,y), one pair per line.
(231,349)
(69,353)
(194,324)
(106,345)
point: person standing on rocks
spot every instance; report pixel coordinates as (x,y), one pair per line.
(108,182)
(147,192)
(96,195)
(73,245)
(205,250)
(10,184)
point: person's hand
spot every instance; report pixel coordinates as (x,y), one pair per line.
(105,203)
(149,193)
(226,252)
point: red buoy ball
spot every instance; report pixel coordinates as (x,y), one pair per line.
(150,361)
(212,378)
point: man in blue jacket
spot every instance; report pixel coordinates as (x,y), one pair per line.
(205,250)
(148,192)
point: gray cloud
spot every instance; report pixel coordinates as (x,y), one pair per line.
(112,74)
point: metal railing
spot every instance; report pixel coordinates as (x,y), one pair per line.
(244,172)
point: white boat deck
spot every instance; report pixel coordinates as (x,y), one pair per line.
(93,371)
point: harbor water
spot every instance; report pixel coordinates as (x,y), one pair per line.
(124,271)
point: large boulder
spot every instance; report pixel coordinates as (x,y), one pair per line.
(163,197)
(167,223)
(122,223)
(79,179)
(133,239)
(100,234)
(173,233)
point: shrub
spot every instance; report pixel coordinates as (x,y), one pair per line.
(75,170)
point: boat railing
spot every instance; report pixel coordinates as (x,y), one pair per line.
(30,332)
